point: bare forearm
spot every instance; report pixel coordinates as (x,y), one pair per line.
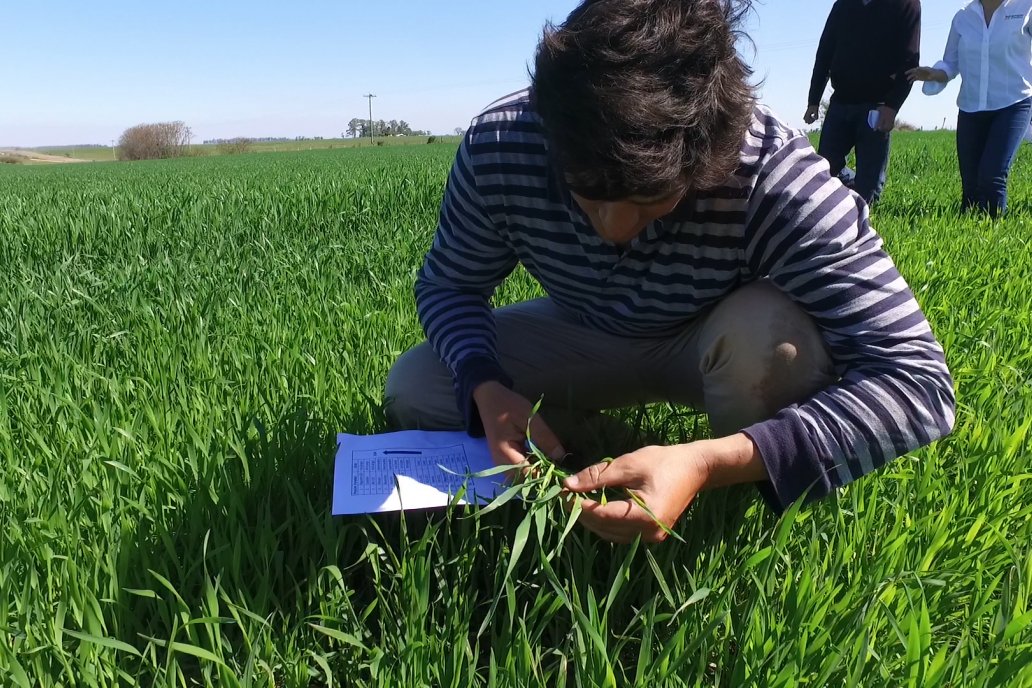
(731,460)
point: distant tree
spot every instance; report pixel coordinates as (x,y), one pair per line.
(236,146)
(359,128)
(154,141)
(459,131)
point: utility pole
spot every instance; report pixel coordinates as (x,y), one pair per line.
(370,96)
(113,149)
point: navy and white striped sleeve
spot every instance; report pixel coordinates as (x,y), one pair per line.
(813,239)
(462,269)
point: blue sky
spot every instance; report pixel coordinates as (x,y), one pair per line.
(74,72)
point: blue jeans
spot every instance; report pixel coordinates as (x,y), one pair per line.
(845,128)
(987,143)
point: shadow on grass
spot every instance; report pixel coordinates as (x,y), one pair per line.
(235,552)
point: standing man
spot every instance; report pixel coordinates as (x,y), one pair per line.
(866,49)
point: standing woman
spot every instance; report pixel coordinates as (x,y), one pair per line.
(990,47)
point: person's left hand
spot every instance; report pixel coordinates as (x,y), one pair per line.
(666,478)
(886,119)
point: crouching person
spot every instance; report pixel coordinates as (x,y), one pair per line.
(693,249)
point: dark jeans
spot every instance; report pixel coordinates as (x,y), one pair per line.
(987,143)
(845,129)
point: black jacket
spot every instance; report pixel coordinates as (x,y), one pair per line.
(866,52)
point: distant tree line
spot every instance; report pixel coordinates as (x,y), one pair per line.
(358,128)
(240,144)
(262,139)
(173,139)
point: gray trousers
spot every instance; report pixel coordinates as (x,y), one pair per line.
(742,361)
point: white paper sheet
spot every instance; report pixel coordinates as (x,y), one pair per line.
(402,470)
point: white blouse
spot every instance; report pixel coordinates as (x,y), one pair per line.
(994,62)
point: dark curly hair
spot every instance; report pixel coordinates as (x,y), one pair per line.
(635,95)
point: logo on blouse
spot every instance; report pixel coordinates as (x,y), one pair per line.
(1014,16)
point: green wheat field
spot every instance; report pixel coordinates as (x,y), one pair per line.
(180,342)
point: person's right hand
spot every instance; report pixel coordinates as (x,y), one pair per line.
(505,414)
(927,74)
(811,114)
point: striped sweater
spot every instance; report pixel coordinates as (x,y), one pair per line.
(781,216)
